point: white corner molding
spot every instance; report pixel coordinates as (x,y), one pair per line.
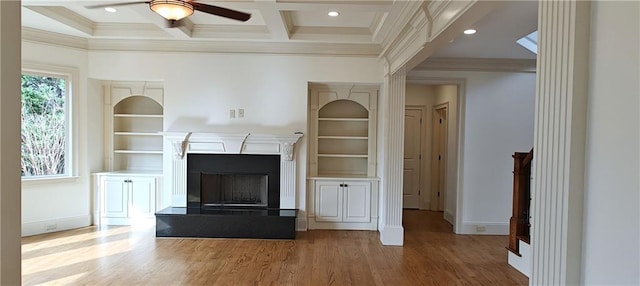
(559,142)
(184,143)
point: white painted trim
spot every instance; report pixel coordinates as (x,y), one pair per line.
(392,235)
(521,263)
(301,222)
(372,225)
(491,228)
(40,227)
(183,143)
(203,45)
(449,217)
(478,64)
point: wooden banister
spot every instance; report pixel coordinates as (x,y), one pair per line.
(519,226)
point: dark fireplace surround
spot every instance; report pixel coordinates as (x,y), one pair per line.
(230,195)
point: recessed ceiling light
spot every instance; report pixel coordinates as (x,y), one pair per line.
(333,13)
(470,31)
(110,9)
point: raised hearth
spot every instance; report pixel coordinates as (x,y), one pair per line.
(226,223)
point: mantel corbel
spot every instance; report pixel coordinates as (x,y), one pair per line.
(180,147)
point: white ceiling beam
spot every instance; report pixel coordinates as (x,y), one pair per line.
(278,23)
(65,16)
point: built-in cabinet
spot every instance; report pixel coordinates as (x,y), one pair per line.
(126,197)
(342,182)
(130,185)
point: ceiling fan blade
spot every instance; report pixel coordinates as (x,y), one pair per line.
(115,4)
(219,11)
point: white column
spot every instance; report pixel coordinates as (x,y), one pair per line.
(392,232)
(10,182)
(560,126)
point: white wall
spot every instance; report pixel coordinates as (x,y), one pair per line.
(498,121)
(65,204)
(200,89)
(611,218)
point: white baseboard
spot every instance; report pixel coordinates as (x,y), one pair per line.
(485,228)
(301,224)
(521,263)
(53,225)
(449,217)
(392,235)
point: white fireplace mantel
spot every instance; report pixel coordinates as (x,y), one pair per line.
(184,143)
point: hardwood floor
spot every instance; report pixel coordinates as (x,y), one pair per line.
(432,255)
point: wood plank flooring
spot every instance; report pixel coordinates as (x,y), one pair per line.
(432,255)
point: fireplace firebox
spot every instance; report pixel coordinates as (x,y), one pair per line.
(233,181)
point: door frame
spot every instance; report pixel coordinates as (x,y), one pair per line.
(425,171)
(441,203)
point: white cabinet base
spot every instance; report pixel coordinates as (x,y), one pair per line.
(343,203)
(126,197)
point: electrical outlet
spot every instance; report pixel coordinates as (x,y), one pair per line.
(480,228)
(53,226)
(232,113)
(240,113)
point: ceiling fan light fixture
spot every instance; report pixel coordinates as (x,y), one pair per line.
(172,10)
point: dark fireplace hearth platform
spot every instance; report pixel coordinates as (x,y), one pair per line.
(226,223)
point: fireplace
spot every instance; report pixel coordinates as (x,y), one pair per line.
(233,181)
(230,185)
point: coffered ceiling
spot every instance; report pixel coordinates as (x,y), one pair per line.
(363,28)
(361,25)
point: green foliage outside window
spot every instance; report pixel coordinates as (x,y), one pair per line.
(43,125)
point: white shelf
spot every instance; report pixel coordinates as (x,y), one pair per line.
(343,155)
(343,119)
(137,133)
(159,152)
(344,137)
(138,115)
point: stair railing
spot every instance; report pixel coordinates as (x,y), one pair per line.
(519,225)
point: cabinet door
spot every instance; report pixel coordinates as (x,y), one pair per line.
(142,197)
(115,200)
(357,202)
(328,201)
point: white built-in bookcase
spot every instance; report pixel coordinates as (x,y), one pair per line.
(342,130)
(134,118)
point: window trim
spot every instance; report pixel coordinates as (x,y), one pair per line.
(71,75)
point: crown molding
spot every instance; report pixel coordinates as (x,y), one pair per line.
(54,39)
(235,47)
(478,64)
(65,16)
(201,46)
(133,30)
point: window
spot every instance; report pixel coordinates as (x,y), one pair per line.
(46,121)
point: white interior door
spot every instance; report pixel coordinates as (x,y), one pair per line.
(439,155)
(412,156)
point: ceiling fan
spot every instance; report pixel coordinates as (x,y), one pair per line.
(176,10)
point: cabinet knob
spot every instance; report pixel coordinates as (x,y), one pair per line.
(341,185)
(345,185)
